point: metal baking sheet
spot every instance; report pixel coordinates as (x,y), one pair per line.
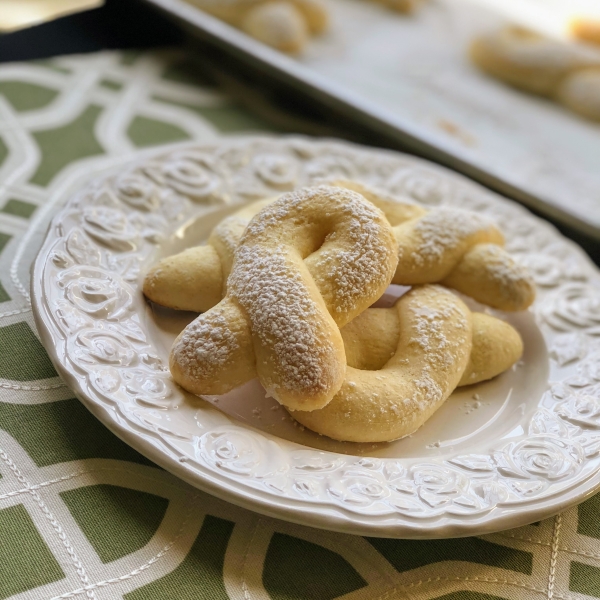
(410,78)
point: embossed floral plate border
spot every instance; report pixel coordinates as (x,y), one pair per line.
(87,304)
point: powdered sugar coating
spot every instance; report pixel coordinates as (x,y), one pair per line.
(206,344)
(353,259)
(442,231)
(283,317)
(510,276)
(462,250)
(346,276)
(442,349)
(433,336)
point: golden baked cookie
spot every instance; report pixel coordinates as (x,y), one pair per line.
(524,59)
(371,339)
(458,248)
(453,346)
(540,65)
(282,24)
(580,92)
(404,362)
(306,265)
(195,279)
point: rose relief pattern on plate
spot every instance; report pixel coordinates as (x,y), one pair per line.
(88,289)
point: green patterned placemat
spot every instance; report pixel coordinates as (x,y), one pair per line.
(82,514)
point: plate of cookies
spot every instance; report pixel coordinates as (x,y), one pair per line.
(347,338)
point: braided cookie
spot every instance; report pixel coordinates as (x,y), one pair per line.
(435,344)
(457,248)
(282,24)
(306,265)
(536,64)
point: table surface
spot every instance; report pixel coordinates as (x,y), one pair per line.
(82,514)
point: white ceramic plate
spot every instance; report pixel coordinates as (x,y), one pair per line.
(496,455)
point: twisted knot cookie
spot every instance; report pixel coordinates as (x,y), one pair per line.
(458,248)
(371,339)
(307,264)
(536,64)
(405,361)
(283,24)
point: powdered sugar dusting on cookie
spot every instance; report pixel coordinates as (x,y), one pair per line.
(206,344)
(368,258)
(351,268)
(433,350)
(283,317)
(433,333)
(462,249)
(441,231)
(513,281)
